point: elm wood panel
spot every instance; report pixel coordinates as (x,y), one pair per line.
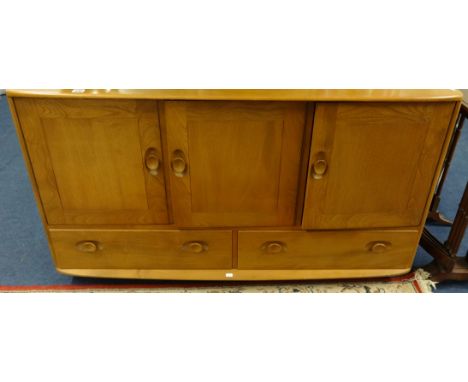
(235,274)
(88,157)
(142,249)
(252,94)
(242,162)
(30,171)
(327,249)
(381,160)
(72,138)
(215,164)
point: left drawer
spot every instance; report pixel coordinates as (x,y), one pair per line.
(141,249)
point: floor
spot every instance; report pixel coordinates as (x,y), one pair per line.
(24,253)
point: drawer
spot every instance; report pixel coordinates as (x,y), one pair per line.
(327,249)
(141,249)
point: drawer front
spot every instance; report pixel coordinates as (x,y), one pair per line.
(327,249)
(141,249)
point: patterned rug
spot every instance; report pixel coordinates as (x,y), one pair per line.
(415,282)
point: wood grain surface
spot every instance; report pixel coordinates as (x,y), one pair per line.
(88,157)
(317,95)
(234,184)
(380,163)
(242,162)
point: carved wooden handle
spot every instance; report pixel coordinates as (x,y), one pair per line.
(273,247)
(178,163)
(379,246)
(195,246)
(87,246)
(319,167)
(152,161)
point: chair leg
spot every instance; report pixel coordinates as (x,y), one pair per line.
(459,225)
(446,265)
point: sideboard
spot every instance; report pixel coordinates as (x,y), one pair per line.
(234,184)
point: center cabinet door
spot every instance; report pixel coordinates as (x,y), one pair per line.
(234,163)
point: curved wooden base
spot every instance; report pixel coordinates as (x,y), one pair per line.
(234,274)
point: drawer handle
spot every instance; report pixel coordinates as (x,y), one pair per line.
(87,246)
(319,168)
(152,161)
(274,247)
(178,163)
(379,246)
(195,246)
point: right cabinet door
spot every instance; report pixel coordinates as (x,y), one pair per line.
(372,164)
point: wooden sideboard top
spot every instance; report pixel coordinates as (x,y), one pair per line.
(377,95)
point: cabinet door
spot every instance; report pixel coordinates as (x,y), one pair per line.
(234,163)
(96,161)
(372,164)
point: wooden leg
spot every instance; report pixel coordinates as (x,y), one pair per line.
(438,251)
(458,273)
(459,225)
(446,265)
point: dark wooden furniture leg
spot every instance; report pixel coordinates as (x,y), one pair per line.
(446,264)
(435,216)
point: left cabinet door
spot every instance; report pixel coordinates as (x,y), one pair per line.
(95,161)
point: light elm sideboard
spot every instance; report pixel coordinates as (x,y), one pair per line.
(234,184)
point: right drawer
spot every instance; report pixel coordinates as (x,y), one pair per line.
(376,249)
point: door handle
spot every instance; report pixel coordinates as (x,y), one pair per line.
(273,247)
(178,163)
(195,246)
(152,161)
(379,246)
(320,166)
(87,246)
